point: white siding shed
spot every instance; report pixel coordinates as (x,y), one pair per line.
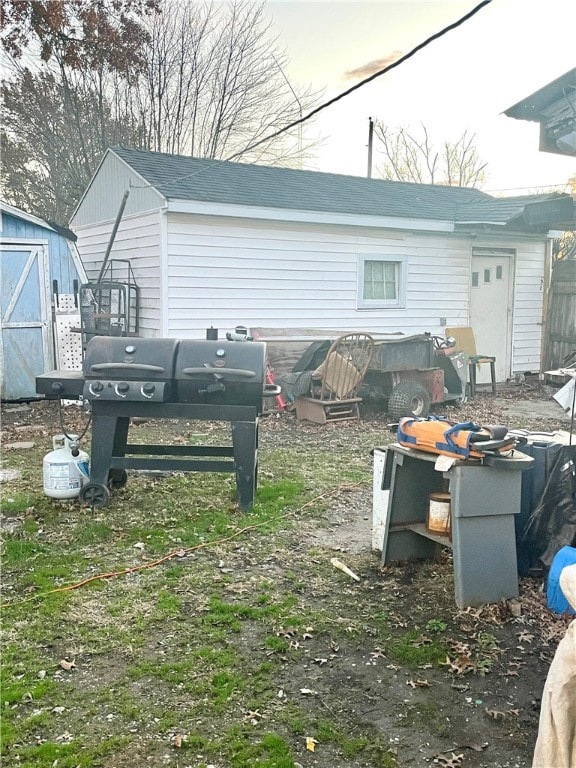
(223,244)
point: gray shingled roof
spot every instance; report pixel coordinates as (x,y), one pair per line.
(186,178)
(497,210)
(216,181)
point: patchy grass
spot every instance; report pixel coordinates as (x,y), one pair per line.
(173,629)
(200,633)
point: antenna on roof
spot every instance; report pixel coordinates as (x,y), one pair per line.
(370,138)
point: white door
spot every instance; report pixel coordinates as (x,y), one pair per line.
(491,309)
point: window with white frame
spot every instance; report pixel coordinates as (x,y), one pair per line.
(381,282)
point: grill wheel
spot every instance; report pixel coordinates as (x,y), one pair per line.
(117,478)
(95,495)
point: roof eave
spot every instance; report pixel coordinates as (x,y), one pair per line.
(308,216)
(20,214)
(529,108)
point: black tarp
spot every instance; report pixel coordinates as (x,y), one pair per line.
(551,524)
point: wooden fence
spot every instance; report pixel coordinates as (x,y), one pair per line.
(561,320)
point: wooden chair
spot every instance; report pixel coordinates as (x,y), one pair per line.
(334,385)
(465,342)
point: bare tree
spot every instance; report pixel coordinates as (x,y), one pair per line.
(214,85)
(52,138)
(199,79)
(57,118)
(409,157)
(564,247)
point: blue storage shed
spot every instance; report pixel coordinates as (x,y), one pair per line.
(40,272)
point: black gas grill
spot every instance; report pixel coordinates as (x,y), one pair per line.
(123,378)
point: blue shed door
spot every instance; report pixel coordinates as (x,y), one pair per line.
(26,345)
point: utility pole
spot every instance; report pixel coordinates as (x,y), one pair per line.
(370,137)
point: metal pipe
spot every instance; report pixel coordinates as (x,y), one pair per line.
(370,140)
(113,235)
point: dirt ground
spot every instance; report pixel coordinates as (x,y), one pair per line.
(480,708)
(484,720)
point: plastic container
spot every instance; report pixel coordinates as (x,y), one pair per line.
(64,473)
(555,598)
(438,518)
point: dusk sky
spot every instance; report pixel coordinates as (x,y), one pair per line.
(462,81)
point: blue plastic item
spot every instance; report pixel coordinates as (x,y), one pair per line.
(555,598)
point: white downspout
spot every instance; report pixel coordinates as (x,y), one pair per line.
(164,292)
(545,301)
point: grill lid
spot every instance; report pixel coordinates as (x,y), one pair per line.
(217,371)
(130,358)
(117,368)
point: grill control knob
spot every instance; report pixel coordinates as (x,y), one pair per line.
(148,389)
(122,387)
(57,387)
(96,387)
(220,352)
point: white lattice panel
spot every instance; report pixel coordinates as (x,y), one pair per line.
(67,333)
(67,303)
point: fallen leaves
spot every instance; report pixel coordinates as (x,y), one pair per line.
(456,758)
(460,666)
(478,747)
(510,673)
(310,743)
(453,761)
(67,665)
(253,716)
(462,649)
(378,653)
(421,641)
(496,714)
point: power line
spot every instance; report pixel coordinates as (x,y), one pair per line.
(366,80)
(532,186)
(369,79)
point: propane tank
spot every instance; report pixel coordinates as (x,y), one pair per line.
(66,469)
